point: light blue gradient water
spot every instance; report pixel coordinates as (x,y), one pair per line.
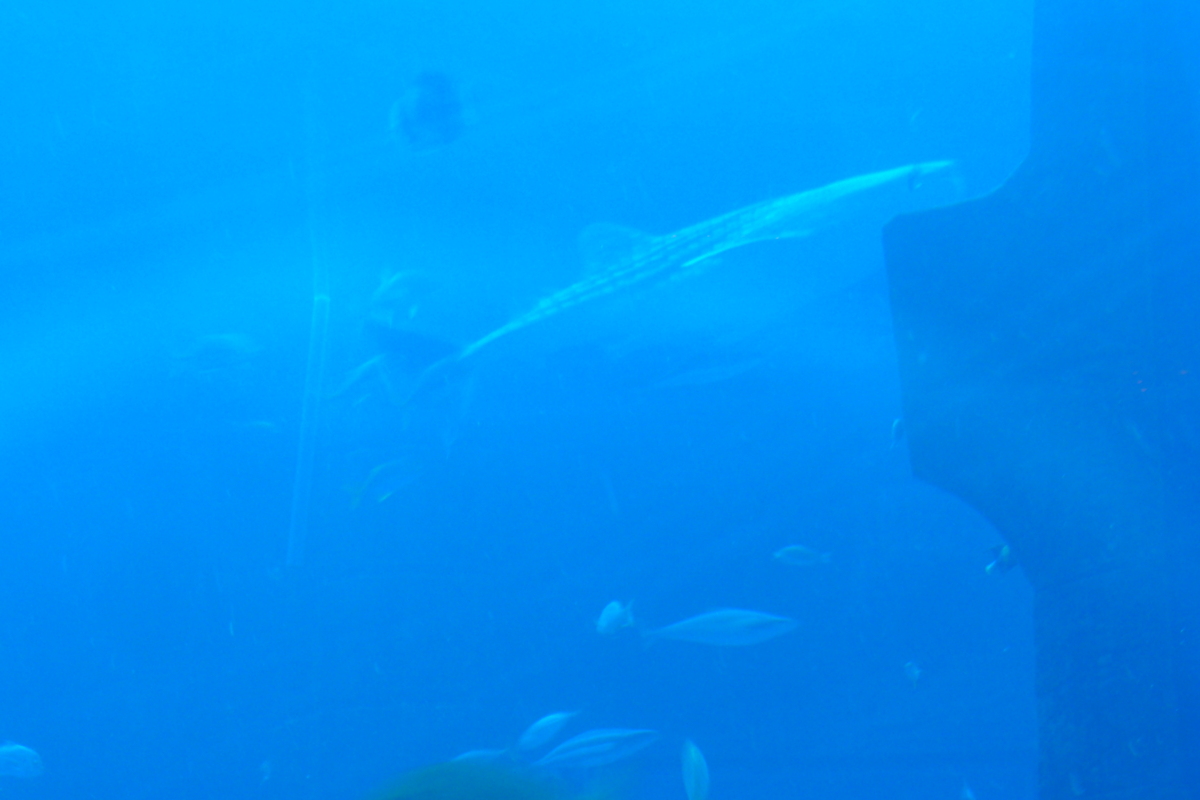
(170,173)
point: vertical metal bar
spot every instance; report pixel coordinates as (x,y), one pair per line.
(317,345)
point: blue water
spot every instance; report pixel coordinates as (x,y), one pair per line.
(175,173)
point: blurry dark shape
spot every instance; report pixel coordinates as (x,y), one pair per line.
(1002,561)
(408,349)
(430,113)
(216,355)
(400,295)
(400,353)
(470,779)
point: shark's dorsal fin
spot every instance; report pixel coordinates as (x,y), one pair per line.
(605,246)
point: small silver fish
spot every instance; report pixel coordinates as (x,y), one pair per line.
(616,615)
(19,761)
(695,772)
(598,747)
(386,479)
(1003,560)
(727,627)
(544,730)
(797,555)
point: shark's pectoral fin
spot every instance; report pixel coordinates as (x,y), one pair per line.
(605,246)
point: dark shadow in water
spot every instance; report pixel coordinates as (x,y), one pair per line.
(471,780)
(430,113)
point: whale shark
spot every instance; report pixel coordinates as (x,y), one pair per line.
(621,260)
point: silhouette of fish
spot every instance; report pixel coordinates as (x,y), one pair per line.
(695,772)
(430,113)
(598,747)
(544,730)
(726,627)
(615,616)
